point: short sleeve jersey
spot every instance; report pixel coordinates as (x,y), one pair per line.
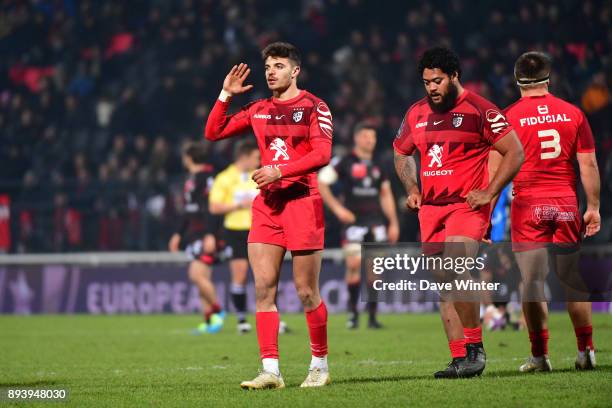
(196,217)
(454,146)
(361,184)
(233,186)
(552,131)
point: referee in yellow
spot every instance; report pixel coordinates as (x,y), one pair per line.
(231,195)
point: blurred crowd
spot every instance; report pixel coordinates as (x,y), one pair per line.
(97,98)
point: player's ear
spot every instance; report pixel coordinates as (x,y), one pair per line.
(295,71)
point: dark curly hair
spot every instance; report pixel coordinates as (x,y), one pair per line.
(443,59)
(282,50)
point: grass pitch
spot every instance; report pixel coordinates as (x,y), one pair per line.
(155,361)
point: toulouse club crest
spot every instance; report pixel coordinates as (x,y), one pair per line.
(297,116)
(457,121)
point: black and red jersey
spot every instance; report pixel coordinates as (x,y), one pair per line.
(196,219)
(361,182)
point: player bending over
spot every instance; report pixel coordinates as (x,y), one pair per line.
(195,234)
(454,131)
(367,206)
(545,211)
(293,129)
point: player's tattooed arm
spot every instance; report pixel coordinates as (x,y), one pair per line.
(405,167)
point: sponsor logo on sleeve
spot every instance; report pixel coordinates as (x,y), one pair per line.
(496,120)
(324,117)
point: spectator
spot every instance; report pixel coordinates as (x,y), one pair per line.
(104,80)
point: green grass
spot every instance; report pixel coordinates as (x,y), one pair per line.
(154,361)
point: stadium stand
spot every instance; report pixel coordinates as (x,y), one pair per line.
(98,97)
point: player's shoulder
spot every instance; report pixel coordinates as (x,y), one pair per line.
(206,171)
(226,173)
(480,103)
(317,104)
(417,107)
(415,112)
(337,161)
(312,98)
(564,105)
(512,107)
(318,108)
(258,104)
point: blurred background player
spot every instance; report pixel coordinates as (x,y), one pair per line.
(454,131)
(545,209)
(196,234)
(501,308)
(232,195)
(367,210)
(293,129)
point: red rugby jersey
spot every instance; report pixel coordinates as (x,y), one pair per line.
(552,131)
(294,134)
(454,146)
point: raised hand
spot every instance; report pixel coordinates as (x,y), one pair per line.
(233,83)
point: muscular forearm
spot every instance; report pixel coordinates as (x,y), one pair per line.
(512,158)
(589,176)
(405,166)
(509,166)
(495,159)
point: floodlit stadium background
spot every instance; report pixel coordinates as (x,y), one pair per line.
(98,97)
